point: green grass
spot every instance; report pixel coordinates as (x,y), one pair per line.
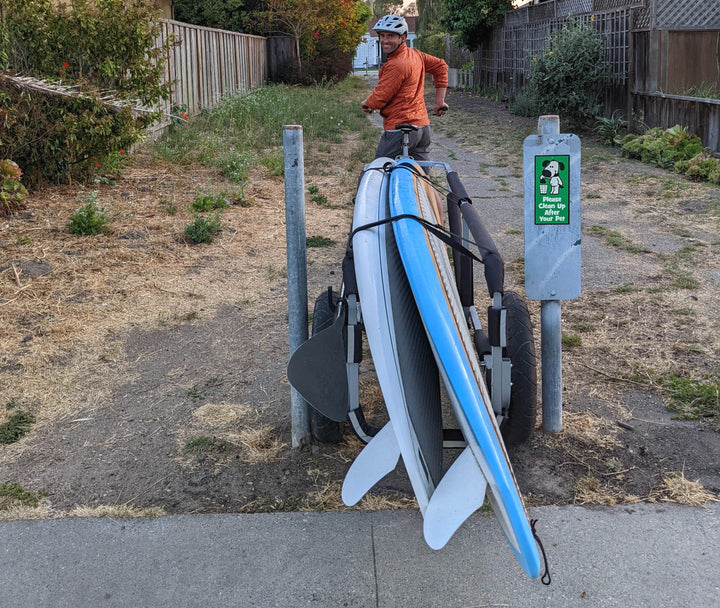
(13,494)
(16,428)
(319,241)
(571,340)
(693,399)
(612,238)
(247,129)
(207,444)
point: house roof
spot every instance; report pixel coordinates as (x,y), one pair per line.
(374,20)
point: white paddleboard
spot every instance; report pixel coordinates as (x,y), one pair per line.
(401,354)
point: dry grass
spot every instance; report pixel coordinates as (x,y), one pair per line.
(590,490)
(259,444)
(677,488)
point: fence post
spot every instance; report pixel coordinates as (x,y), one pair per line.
(296,268)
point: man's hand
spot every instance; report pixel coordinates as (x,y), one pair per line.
(441,109)
(366,108)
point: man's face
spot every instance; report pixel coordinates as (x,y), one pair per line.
(390,41)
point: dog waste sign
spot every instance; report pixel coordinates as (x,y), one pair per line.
(552,190)
(552,213)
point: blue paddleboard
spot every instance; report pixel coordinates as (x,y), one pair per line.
(430,275)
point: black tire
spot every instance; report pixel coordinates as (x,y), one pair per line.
(519,424)
(323,428)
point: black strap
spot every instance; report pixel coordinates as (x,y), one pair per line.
(546,578)
(435,229)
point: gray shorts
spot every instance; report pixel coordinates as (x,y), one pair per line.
(391,144)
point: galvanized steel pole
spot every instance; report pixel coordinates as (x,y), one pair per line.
(551,331)
(296,268)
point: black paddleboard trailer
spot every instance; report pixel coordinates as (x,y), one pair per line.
(506,348)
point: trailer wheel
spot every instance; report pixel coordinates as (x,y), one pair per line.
(520,419)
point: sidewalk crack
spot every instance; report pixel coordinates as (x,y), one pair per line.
(374,562)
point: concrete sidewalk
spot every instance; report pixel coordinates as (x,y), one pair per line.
(630,556)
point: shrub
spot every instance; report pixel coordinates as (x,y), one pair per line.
(703,167)
(664,148)
(433,44)
(12,192)
(569,75)
(94,45)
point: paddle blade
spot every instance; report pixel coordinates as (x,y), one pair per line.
(318,372)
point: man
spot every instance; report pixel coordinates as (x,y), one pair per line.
(399,94)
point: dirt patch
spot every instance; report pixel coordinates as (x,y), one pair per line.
(155,369)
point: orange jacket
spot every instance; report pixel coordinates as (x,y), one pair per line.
(399,94)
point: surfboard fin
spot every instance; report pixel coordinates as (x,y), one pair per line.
(377,459)
(459,494)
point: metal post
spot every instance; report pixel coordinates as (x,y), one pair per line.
(551,347)
(296,268)
(550,330)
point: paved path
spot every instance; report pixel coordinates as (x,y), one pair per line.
(633,556)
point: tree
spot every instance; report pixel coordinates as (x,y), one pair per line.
(233,15)
(306,21)
(471,21)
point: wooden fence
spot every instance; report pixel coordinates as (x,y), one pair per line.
(207,64)
(652,46)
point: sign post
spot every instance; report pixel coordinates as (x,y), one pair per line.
(552,245)
(296,268)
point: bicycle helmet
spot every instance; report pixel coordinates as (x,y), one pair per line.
(391,23)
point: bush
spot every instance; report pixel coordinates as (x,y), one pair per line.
(663,148)
(12,192)
(94,45)
(433,44)
(569,76)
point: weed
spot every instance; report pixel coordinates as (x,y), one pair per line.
(209,202)
(610,129)
(203,230)
(571,340)
(16,428)
(319,241)
(626,288)
(169,207)
(584,327)
(12,494)
(274,161)
(207,444)
(90,219)
(194,393)
(23,240)
(236,166)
